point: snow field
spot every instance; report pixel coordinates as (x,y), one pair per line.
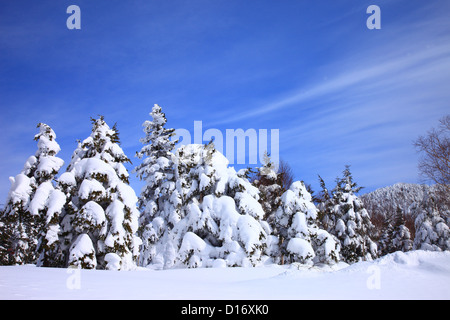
(411,275)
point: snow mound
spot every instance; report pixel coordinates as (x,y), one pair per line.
(411,275)
(412,258)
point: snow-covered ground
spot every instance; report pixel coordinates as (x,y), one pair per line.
(412,275)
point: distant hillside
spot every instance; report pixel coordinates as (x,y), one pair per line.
(409,197)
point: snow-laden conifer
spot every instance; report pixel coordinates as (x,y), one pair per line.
(31,216)
(350,222)
(159,200)
(268,182)
(100,216)
(401,236)
(220,218)
(300,238)
(432,233)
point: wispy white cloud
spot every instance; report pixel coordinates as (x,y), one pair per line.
(221,63)
(403,70)
(375,101)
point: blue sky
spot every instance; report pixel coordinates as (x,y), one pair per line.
(338,93)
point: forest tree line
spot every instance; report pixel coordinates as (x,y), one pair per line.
(194,210)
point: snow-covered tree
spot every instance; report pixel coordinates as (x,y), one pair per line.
(220,222)
(401,236)
(5,251)
(159,201)
(100,217)
(396,236)
(268,181)
(384,245)
(47,201)
(410,198)
(300,239)
(432,233)
(349,221)
(31,216)
(18,231)
(324,206)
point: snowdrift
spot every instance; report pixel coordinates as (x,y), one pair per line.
(411,275)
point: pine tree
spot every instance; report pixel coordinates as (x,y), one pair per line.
(324,207)
(350,222)
(385,243)
(18,246)
(432,233)
(220,217)
(30,218)
(159,200)
(268,181)
(401,237)
(300,239)
(6,257)
(47,201)
(100,218)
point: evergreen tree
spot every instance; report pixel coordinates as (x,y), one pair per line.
(17,230)
(324,207)
(350,222)
(300,239)
(48,202)
(268,182)
(401,237)
(32,210)
(385,243)
(100,218)
(159,200)
(432,233)
(220,217)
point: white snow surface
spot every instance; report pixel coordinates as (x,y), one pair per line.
(412,275)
